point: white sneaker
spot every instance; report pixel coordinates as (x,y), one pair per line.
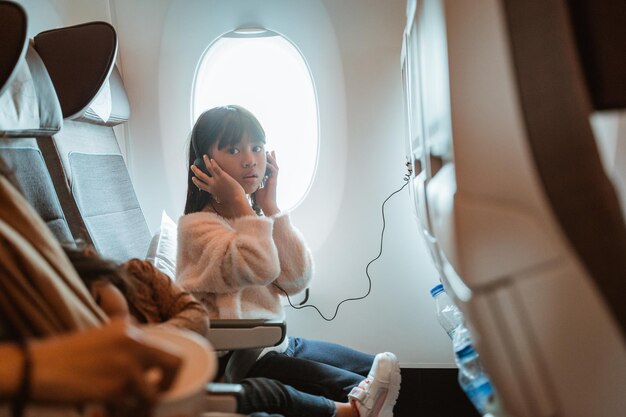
(376,395)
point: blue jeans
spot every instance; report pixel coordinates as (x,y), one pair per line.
(271,396)
(315,367)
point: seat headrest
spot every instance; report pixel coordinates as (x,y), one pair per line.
(13,29)
(81,63)
(600,38)
(29,106)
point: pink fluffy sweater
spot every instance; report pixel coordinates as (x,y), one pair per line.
(233,266)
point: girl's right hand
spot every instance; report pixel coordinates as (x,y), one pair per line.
(224,188)
(107,365)
(266,196)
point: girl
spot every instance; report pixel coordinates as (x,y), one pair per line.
(237,253)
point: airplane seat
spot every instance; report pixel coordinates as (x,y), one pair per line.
(93,100)
(13,25)
(525,227)
(29,112)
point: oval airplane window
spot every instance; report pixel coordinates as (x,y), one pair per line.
(265,73)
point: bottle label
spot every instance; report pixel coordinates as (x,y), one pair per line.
(480,394)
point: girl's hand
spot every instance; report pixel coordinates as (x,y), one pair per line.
(224,188)
(226,191)
(266,196)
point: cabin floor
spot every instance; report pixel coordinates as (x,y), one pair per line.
(432,393)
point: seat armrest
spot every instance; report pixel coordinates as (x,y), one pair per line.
(222,398)
(246,334)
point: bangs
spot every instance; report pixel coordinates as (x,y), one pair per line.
(237,124)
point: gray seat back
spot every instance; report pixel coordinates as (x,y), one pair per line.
(29,111)
(80,60)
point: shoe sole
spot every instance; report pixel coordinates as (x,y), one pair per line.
(392,392)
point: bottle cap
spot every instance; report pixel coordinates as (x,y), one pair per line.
(436,290)
(465,351)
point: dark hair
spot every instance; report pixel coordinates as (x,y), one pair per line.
(225,126)
(93,268)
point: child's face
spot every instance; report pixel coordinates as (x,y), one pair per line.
(245,162)
(110,299)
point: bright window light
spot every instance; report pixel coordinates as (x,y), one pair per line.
(265,73)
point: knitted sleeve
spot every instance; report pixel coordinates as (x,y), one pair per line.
(296,261)
(218,256)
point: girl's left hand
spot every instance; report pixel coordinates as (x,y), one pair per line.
(266,195)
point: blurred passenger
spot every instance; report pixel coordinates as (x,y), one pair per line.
(139,290)
(57,346)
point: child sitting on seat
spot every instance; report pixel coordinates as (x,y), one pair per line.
(238,253)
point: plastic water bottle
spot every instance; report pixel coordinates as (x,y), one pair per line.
(473,379)
(449,316)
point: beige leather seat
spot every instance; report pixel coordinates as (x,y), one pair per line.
(520,216)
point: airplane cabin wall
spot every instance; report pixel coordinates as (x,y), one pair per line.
(45,14)
(353,50)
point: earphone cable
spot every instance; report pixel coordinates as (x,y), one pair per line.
(406,179)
